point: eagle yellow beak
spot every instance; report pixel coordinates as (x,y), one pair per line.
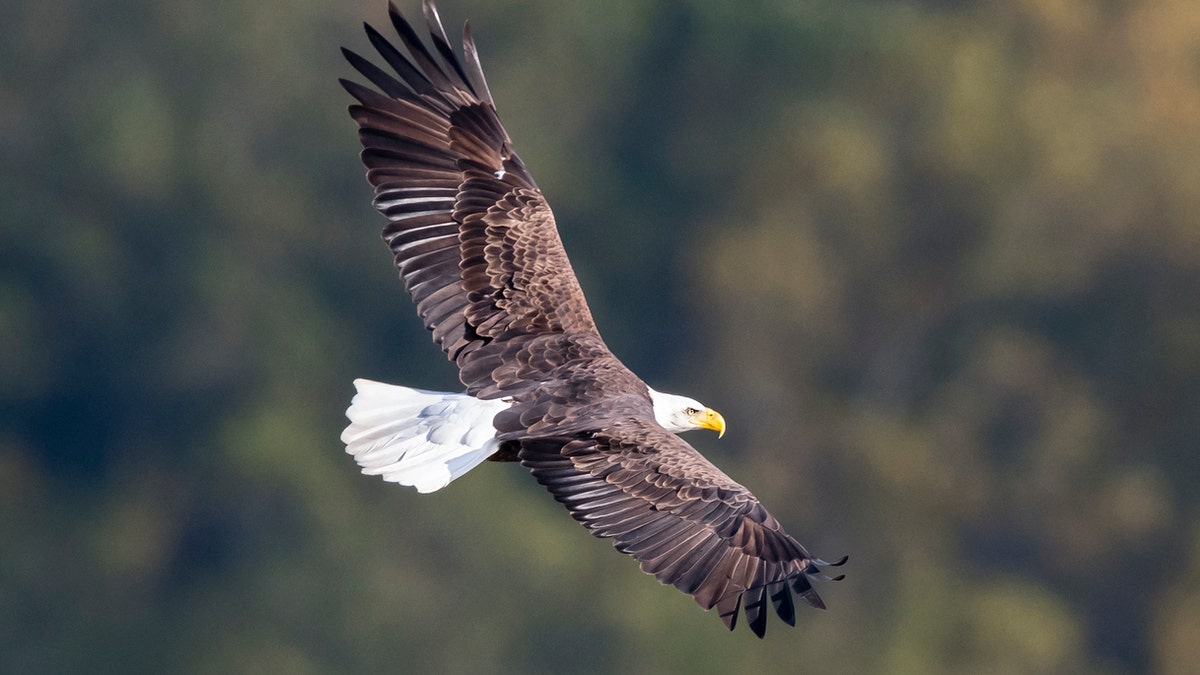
(710,419)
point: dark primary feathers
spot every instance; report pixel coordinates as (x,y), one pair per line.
(478,250)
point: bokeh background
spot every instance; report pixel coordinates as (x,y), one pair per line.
(937,262)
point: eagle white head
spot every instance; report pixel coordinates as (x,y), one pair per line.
(678,414)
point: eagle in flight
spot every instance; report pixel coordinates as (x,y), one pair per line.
(478,251)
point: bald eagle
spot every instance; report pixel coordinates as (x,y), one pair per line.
(478,251)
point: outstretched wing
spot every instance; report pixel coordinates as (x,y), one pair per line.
(475,242)
(685,521)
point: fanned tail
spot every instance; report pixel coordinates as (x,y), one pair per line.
(422,439)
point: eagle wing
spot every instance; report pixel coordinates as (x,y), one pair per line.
(472,236)
(685,521)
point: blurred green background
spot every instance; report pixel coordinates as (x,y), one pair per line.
(937,262)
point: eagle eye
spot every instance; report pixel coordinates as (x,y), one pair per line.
(691,411)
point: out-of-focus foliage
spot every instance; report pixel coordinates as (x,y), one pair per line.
(938,263)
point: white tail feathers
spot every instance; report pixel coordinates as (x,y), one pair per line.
(423,439)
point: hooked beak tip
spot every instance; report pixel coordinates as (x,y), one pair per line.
(713,420)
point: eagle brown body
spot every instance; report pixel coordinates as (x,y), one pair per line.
(478,250)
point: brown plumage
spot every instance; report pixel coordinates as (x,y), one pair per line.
(478,250)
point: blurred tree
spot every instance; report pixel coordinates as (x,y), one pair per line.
(940,258)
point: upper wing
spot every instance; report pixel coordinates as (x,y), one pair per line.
(472,236)
(684,520)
